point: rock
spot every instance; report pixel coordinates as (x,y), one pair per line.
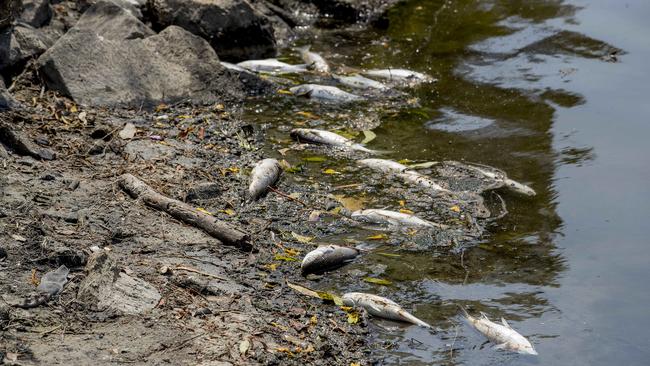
(108,65)
(112,22)
(235,29)
(6,100)
(3,253)
(22,145)
(36,13)
(109,289)
(128,132)
(203,191)
(9,9)
(21,43)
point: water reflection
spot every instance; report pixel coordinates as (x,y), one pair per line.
(504,67)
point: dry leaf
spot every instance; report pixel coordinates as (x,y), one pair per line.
(284,91)
(406,211)
(330,171)
(280,257)
(301,238)
(350,203)
(307,114)
(455,208)
(377,281)
(369,136)
(244,346)
(201,209)
(378,237)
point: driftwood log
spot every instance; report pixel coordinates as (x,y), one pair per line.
(184,212)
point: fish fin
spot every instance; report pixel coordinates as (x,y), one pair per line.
(374,308)
(462,308)
(505,323)
(500,346)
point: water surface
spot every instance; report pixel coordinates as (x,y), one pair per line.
(555,93)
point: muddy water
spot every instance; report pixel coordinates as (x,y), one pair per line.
(556,94)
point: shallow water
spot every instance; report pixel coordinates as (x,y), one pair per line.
(527,87)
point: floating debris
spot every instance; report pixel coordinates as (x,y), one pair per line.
(381,307)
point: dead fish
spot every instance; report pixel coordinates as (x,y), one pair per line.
(502,335)
(386,217)
(233,67)
(324,93)
(359,82)
(264,174)
(500,176)
(400,75)
(272,65)
(326,258)
(51,285)
(383,165)
(327,138)
(381,307)
(401,171)
(313,60)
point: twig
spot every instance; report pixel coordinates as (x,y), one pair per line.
(287,196)
(188,269)
(44,333)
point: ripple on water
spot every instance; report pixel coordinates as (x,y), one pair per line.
(452,121)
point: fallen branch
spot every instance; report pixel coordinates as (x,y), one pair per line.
(184,212)
(286,196)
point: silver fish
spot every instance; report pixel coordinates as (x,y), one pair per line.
(386,217)
(381,307)
(383,165)
(233,67)
(326,258)
(401,171)
(272,65)
(500,176)
(360,82)
(313,60)
(324,93)
(400,75)
(327,138)
(264,174)
(502,335)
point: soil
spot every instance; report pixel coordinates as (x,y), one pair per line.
(230,307)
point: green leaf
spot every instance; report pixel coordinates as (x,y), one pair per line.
(377,281)
(286,258)
(314,159)
(369,136)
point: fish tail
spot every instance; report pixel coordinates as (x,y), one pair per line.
(413,319)
(303,48)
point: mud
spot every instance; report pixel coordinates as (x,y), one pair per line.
(217,305)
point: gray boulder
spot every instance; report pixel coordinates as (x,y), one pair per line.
(235,29)
(104,61)
(36,13)
(6,101)
(22,42)
(9,9)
